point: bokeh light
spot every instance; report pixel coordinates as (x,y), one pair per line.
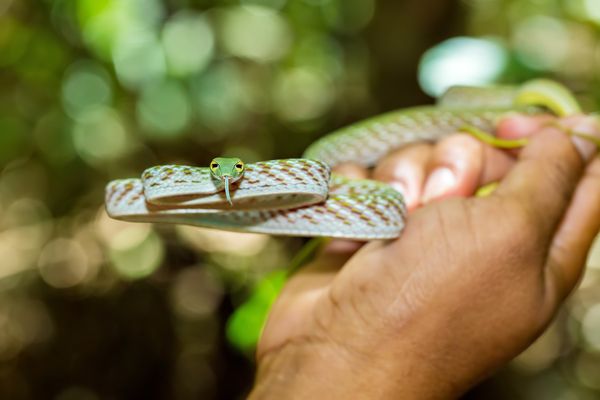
(53,138)
(188,43)
(461,61)
(63,263)
(542,42)
(164,109)
(219,97)
(196,293)
(100,135)
(255,32)
(139,59)
(107,24)
(26,226)
(86,85)
(209,240)
(302,94)
(135,250)
(591,326)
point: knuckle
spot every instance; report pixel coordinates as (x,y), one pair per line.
(522,218)
(562,178)
(524,236)
(457,146)
(593,170)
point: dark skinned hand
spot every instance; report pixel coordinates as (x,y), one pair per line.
(470,283)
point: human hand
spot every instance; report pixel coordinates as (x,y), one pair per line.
(470,283)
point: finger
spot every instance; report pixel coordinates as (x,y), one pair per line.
(299,296)
(518,126)
(332,256)
(345,248)
(460,164)
(576,233)
(544,179)
(294,305)
(405,169)
(351,170)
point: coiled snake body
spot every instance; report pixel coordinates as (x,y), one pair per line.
(301,197)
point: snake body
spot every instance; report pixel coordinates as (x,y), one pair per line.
(301,197)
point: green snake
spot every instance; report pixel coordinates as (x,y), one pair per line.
(301,197)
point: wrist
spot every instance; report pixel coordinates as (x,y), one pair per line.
(318,370)
(302,370)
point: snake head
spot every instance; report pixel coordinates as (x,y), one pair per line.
(227,170)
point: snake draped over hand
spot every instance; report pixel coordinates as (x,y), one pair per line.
(301,197)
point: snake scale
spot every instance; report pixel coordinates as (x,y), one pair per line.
(301,197)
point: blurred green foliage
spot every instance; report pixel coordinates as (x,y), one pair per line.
(93,90)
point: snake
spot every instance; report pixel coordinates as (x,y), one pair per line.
(301,196)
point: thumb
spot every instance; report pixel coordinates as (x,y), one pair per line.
(548,170)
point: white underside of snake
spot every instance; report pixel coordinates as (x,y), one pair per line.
(301,197)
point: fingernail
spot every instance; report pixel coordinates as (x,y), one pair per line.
(409,196)
(588,126)
(439,183)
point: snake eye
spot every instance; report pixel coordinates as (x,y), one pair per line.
(214,165)
(239,166)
